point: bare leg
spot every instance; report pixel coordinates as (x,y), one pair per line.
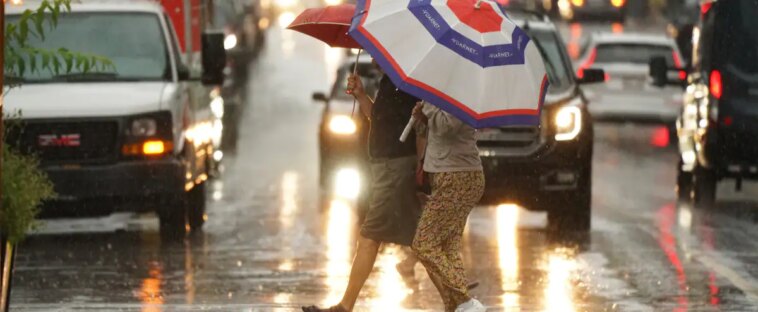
(363,264)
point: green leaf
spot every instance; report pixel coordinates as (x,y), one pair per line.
(45,60)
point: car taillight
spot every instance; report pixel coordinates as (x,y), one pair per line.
(590,60)
(618,3)
(705,7)
(577,3)
(716,86)
(678,64)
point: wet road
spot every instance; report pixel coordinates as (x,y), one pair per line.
(267,246)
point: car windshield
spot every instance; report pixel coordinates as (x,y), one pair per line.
(139,53)
(632,53)
(555,59)
(737,27)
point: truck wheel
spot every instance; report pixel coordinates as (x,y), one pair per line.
(573,212)
(187,210)
(683,183)
(704,187)
(195,207)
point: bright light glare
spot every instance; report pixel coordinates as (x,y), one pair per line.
(558,293)
(333,2)
(689,157)
(617,3)
(508,253)
(577,3)
(341,124)
(285,3)
(217,107)
(218,155)
(286,18)
(347,183)
(338,248)
(568,123)
(230,41)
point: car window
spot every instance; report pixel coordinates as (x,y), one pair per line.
(556,61)
(632,53)
(736,35)
(139,53)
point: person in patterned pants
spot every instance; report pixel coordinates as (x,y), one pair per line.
(457,180)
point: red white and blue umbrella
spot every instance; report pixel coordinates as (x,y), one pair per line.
(465,56)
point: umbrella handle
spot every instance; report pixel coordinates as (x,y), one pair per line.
(407,130)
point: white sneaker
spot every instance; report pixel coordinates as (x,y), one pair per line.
(472,305)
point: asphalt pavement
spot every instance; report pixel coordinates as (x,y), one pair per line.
(270,245)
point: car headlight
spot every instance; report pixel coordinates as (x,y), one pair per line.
(568,123)
(144,127)
(342,124)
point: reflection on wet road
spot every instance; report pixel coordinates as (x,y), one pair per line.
(270,245)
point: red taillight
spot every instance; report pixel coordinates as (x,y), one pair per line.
(716,87)
(705,7)
(678,64)
(590,60)
(727,120)
(606,77)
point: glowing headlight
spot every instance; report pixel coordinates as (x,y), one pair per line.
(341,124)
(568,123)
(230,41)
(144,127)
(333,2)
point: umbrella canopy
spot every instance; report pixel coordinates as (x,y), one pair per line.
(329,24)
(464,56)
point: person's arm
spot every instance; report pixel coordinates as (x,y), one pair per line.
(355,88)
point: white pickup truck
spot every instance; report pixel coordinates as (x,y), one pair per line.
(134,138)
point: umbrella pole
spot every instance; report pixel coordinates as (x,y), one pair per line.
(355,72)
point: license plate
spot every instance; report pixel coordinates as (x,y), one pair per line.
(59,140)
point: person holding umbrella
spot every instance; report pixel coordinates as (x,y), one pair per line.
(394,209)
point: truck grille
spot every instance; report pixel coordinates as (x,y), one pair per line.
(66,142)
(509,141)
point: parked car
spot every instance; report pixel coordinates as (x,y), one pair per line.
(546,168)
(343,131)
(604,9)
(134,138)
(717,129)
(627,96)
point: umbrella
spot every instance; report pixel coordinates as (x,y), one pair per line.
(465,56)
(328,24)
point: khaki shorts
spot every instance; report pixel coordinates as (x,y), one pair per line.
(394,210)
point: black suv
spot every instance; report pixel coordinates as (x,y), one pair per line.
(547,168)
(718,125)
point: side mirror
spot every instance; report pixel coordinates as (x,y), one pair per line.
(214,58)
(592,75)
(659,71)
(183,72)
(319,97)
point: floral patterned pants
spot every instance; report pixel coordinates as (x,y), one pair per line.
(438,238)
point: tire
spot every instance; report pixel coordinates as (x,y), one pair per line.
(573,212)
(684,183)
(704,188)
(187,210)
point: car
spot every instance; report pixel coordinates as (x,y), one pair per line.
(134,138)
(244,27)
(717,129)
(343,130)
(605,9)
(627,95)
(549,167)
